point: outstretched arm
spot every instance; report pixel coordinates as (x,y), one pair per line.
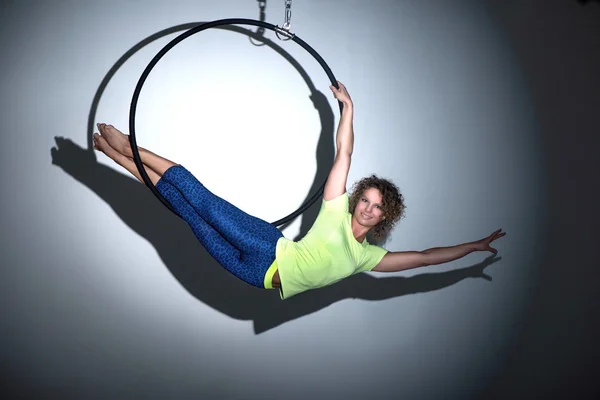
(402,260)
(344,140)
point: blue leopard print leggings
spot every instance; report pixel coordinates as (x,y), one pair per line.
(243,244)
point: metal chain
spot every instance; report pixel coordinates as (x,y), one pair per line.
(288,15)
(283,33)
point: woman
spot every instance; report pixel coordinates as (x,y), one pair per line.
(256,251)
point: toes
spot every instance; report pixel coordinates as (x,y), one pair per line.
(105,129)
(111,129)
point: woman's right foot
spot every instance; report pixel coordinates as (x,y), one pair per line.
(116,139)
(102,145)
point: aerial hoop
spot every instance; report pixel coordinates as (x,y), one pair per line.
(180,38)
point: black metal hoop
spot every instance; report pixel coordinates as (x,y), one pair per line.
(173,43)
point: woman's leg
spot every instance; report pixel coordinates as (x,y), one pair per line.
(221,250)
(232,259)
(247,233)
(120,142)
(253,236)
(243,244)
(101,144)
(248,269)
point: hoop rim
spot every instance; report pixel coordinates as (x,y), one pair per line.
(165,50)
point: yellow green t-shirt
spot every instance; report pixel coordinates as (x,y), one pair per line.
(328,253)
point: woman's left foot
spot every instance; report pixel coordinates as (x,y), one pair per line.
(116,139)
(102,145)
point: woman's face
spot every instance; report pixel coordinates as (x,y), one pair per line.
(368,212)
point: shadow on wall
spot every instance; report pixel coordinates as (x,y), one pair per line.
(185,257)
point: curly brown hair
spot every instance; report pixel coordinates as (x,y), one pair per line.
(393,206)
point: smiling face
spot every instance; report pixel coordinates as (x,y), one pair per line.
(386,200)
(368,211)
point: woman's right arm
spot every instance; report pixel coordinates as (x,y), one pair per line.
(344,140)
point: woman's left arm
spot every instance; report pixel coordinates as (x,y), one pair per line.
(402,260)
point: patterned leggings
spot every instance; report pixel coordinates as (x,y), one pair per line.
(243,244)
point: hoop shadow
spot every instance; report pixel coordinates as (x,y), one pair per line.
(185,257)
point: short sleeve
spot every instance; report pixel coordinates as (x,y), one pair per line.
(373,255)
(339,203)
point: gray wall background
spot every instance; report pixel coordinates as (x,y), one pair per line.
(483,112)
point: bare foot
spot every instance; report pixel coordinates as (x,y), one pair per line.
(102,145)
(116,139)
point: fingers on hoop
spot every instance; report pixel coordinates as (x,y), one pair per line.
(340,86)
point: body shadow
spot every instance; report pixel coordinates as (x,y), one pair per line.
(184,256)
